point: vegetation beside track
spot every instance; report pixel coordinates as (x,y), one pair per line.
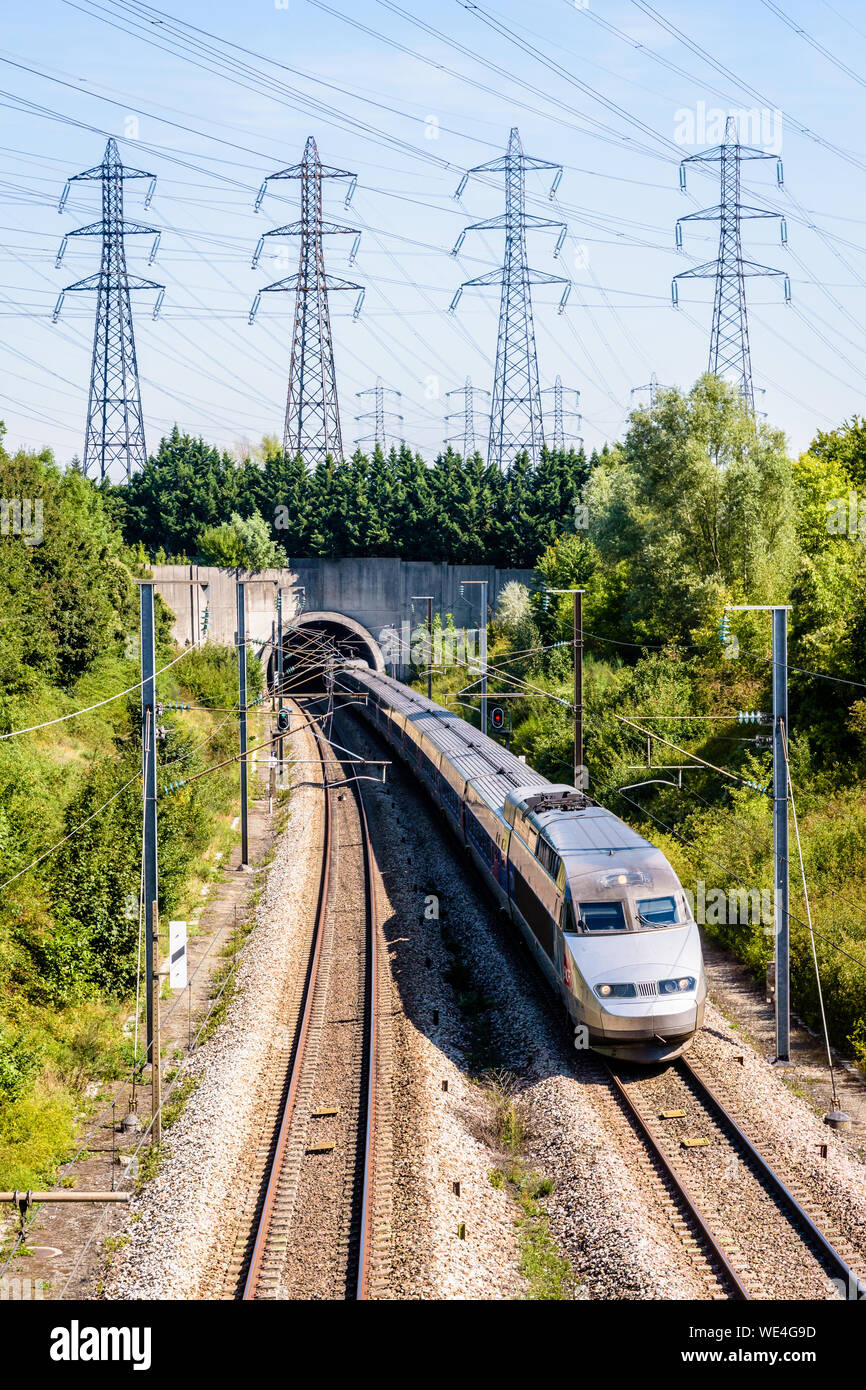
(695,510)
(69,924)
(547,1272)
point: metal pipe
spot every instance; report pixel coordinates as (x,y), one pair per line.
(578,690)
(154,985)
(242,709)
(148,754)
(63,1195)
(780,834)
(483,636)
(280,672)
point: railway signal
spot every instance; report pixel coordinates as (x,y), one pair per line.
(500,722)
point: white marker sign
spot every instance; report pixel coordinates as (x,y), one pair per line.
(177,955)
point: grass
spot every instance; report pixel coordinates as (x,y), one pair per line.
(112,1244)
(223,985)
(548,1274)
(149,1159)
(173,1108)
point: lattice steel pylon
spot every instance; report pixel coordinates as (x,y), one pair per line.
(730,356)
(115,426)
(467,415)
(560,411)
(312,423)
(652,387)
(516,422)
(379,437)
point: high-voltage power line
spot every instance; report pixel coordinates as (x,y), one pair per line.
(652,388)
(312,424)
(467,415)
(729,338)
(379,415)
(115,426)
(516,422)
(561,412)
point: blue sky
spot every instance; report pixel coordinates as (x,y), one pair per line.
(408,95)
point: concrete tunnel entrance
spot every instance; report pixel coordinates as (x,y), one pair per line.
(314,638)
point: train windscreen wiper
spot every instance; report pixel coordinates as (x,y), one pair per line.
(645,922)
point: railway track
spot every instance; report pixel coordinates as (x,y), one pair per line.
(731,1207)
(748,1233)
(315,1230)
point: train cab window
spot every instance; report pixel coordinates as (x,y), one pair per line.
(602,916)
(656,912)
(547,856)
(569,926)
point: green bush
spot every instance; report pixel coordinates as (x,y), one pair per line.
(20,1062)
(210,675)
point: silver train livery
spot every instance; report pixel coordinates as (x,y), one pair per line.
(603,912)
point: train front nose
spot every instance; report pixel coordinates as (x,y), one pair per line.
(621,1017)
(646,1031)
(647,1020)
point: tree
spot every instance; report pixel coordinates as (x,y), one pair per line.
(241,542)
(283,498)
(846,447)
(65,590)
(696,505)
(186,486)
(512,606)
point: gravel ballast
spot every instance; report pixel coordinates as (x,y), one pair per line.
(182,1224)
(466,1001)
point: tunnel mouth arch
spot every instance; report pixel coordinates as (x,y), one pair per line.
(306,635)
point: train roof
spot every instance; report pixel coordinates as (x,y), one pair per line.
(569,819)
(477,756)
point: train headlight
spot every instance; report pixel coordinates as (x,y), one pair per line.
(679,986)
(616,991)
(621,878)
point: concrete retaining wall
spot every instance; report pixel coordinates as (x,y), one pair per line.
(374,592)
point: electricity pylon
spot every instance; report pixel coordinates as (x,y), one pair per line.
(115,426)
(729,339)
(516,422)
(467,414)
(312,424)
(378,414)
(653,386)
(560,412)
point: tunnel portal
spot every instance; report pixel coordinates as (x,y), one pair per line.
(311,642)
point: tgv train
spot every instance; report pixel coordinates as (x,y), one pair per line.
(603,912)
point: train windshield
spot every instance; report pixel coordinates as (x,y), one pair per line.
(601,916)
(656,912)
